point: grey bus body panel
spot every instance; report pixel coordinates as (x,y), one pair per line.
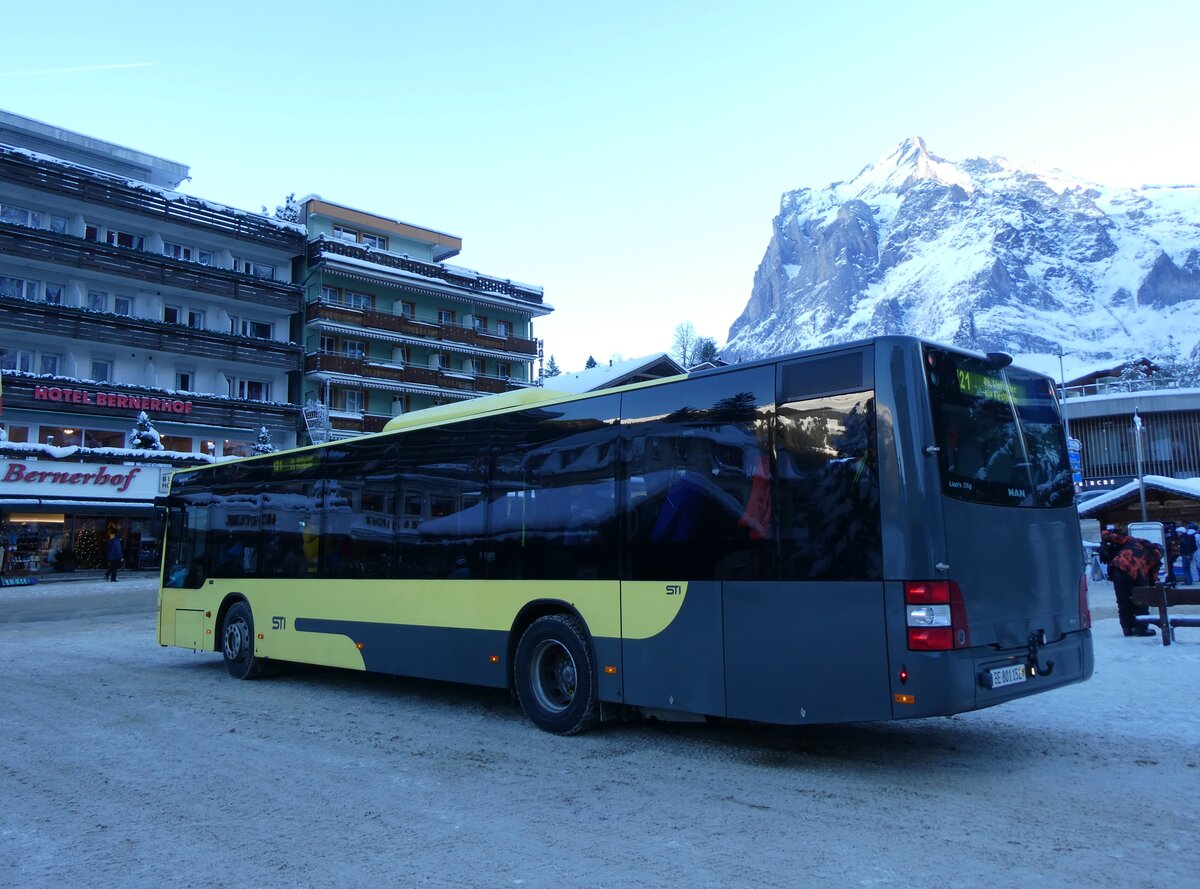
(821,658)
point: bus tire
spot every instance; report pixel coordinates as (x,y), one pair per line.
(237,642)
(556,675)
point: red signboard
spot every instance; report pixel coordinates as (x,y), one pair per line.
(112,399)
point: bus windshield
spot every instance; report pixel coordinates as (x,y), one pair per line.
(999,433)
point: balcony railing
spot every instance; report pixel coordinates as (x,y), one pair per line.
(1144,384)
(463,381)
(371,319)
(22,315)
(45,246)
(100,188)
(318,249)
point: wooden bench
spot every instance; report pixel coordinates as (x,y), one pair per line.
(1162,598)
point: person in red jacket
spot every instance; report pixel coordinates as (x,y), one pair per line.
(1131,562)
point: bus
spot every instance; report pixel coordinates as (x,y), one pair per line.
(878,530)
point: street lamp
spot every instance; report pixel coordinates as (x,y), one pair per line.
(1062,378)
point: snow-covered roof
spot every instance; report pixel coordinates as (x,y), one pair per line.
(660,364)
(1183,487)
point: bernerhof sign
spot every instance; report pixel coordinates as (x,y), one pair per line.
(45,478)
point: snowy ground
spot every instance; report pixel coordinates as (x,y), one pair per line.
(125,764)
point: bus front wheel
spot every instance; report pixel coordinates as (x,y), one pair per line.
(237,642)
(556,675)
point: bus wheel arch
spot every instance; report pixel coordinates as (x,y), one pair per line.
(554,673)
(235,621)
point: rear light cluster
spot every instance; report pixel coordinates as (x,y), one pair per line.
(935,615)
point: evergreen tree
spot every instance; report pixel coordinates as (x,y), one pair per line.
(263,445)
(552,368)
(706,350)
(591,362)
(290,211)
(144,436)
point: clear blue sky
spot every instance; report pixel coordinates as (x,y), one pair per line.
(628,157)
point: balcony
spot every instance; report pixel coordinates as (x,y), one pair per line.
(458,381)
(360,426)
(321,250)
(95,187)
(26,316)
(64,250)
(370,319)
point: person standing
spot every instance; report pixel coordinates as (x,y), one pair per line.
(113,554)
(1187,552)
(1131,562)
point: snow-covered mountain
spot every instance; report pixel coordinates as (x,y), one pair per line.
(983,254)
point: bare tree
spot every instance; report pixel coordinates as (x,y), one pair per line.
(684,344)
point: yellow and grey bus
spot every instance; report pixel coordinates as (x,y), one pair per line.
(879,530)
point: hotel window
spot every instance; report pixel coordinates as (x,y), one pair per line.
(16,434)
(480,322)
(503,370)
(328,344)
(18,287)
(204,257)
(178,251)
(503,328)
(376,242)
(195,319)
(20,216)
(403,354)
(53,294)
(254,390)
(172,314)
(50,363)
(261,329)
(357,300)
(102,370)
(98,300)
(257,269)
(345,234)
(183,380)
(445,316)
(16,359)
(354,348)
(125,239)
(59,224)
(123,305)
(103,438)
(473,365)
(179,443)
(331,295)
(408,309)
(352,401)
(63,436)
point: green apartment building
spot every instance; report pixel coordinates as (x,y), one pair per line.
(389,327)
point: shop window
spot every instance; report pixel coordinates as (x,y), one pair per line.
(16,434)
(179,443)
(103,438)
(234,448)
(61,436)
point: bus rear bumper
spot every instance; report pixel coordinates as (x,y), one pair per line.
(945,683)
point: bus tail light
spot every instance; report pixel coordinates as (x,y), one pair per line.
(935,615)
(1085,612)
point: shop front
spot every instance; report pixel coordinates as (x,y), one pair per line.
(56,515)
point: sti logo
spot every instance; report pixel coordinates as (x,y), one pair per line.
(674,589)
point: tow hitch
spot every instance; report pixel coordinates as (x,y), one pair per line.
(1037,641)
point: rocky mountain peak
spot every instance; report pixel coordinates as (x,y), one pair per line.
(985,254)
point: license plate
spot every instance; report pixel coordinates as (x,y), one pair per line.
(1002,676)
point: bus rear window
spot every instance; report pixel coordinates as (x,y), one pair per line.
(999,433)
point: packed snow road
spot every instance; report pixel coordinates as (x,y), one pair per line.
(126,764)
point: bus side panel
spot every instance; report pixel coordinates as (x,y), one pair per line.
(671,646)
(450,654)
(806,652)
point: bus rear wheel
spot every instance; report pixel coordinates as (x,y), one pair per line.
(556,675)
(237,643)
